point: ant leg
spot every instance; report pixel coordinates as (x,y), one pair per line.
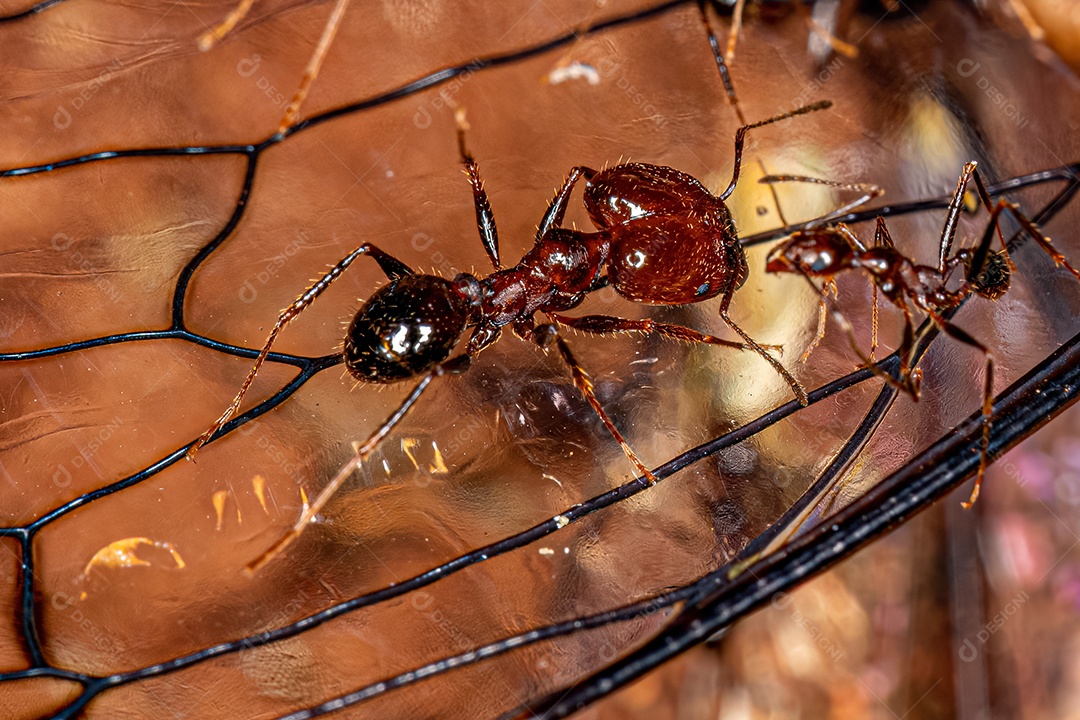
(543,336)
(823,296)
(725,78)
(217,33)
(828,285)
(1044,242)
(314,65)
(882,239)
(984,195)
(835,44)
(869,192)
(873,320)
(725,302)
(823,292)
(601,324)
(721,64)
(740,137)
(393,268)
(948,231)
(452,366)
(553,216)
(988,203)
(988,397)
(910,378)
(736,28)
(775,260)
(485,219)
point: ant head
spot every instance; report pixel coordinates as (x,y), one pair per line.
(821,252)
(993,280)
(407,328)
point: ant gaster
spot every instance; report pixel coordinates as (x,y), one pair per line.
(662,238)
(824,252)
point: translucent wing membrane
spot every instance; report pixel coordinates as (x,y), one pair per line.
(485,556)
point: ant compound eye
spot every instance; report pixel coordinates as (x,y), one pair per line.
(822,261)
(702,290)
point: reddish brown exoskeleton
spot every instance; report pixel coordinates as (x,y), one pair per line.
(826,251)
(662,238)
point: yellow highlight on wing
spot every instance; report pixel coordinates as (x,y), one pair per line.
(121,554)
(258,484)
(218,499)
(436,467)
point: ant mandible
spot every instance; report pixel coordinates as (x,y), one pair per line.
(823,252)
(662,238)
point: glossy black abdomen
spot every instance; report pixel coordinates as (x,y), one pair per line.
(405,329)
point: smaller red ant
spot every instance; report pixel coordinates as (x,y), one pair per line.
(662,239)
(824,252)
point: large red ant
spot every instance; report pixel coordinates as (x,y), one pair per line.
(662,239)
(823,252)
